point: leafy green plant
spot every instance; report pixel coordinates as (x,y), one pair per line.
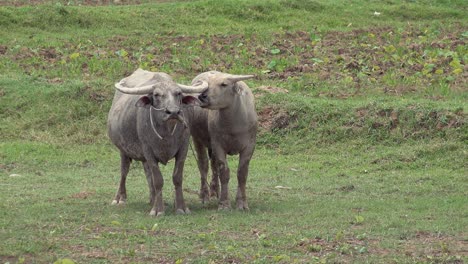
(358,219)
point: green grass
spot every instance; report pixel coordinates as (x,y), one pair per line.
(361,154)
(59,207)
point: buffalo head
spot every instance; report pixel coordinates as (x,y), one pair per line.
(159,92)
(222,88)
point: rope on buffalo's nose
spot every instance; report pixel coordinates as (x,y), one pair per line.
(159,136)
(158,109)
(152,124)
(151,120)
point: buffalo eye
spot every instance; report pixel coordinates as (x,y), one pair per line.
(224,84)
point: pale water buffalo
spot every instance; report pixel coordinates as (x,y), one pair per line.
(146,122)
(226,126)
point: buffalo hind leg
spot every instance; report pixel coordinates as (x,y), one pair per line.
(242,173)
(121,195)
(177,179)
(223,173)
(202,162)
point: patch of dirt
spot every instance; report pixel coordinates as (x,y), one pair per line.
(423,246)
(426,246)
(357,60)
(347,188)
(55,80)
(392,118)
(271,118)
(83,194)
(8,167)
(138,254)
(3,49)
(369,55)
(49,54)
(8,259)
(94,94)
(25,258)
(319,247)
(272,89)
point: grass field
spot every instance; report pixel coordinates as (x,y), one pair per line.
(362,151)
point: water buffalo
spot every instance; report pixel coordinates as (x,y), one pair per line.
(225,125)
(146,122)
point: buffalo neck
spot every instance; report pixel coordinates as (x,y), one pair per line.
(239,115)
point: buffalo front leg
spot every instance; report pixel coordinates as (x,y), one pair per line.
(242,173)
(149,179)
(158,182)
(121,195)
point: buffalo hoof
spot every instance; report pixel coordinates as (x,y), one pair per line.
(181,211)
(214,193)
(242,205)
(118,202)
(205,200)
(204,196)
(224,206)
(158,214)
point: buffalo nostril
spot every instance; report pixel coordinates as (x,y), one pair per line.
(172,111)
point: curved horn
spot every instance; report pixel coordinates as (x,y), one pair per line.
(199,87)
(236,78)
(135,90)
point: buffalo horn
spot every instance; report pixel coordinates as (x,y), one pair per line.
(199,87)
(134,90)
(236,78)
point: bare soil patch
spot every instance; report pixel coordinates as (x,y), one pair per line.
(271,118)
(358,61)
(83,194)
(424,246)
(272,89)
(369,53)
(436,247)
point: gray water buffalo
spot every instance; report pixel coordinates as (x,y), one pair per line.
(146,122)
(227,125)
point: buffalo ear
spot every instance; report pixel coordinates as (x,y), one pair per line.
(238,89)
(190,100)
(144,101)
